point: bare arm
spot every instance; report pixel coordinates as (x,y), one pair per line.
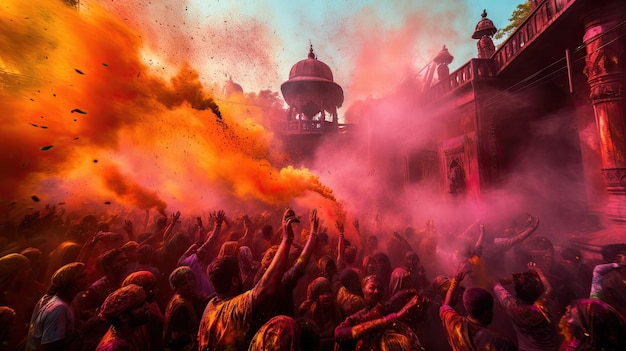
(454,284)
(269,283)
(478,246)
(247,234)
(405,243)
(167,233)
(504,245)
(547,287)
(355,332)
(87,249)
(219,218)
(129,228)
(309,246)
(341,243)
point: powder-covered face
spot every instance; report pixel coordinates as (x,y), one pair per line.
(373,292)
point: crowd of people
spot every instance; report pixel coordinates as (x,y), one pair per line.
(252,283)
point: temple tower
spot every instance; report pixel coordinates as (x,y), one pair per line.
(483,32)
(313,98)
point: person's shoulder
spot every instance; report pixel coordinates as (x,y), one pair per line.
(114,344)
(486,339)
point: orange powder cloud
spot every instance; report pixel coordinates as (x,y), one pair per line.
(115,131)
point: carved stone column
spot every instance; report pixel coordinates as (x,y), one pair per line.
(604,69)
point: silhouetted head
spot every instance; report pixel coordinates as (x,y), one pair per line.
(478,303)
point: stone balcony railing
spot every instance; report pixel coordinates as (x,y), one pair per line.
(540,18)
(310,127)
(474,69)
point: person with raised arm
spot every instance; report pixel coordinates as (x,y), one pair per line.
(228,318)
(470,333)
(198,259)
(368,328)
(529,310)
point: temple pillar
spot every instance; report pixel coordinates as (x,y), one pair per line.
(605,73)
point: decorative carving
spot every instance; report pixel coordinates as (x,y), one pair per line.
(486,48)
(456,175)
(614,177)
(606,90)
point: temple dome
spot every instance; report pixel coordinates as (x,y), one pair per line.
(312,78)
(310,69)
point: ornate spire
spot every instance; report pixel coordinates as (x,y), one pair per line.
(311,54)
(484,27)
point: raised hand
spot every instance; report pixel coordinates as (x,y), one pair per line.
(532,221)
(199,221)
(175,216)
(219,217)
(355,223)
(247,223)
(314,220)
(461,273)
(289,217)
(128,226)
(339,226)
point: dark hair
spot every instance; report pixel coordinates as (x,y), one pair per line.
(144,254)
(268,232)
(350,254)
(221,272)
(372,278)
(309,334)
(477,301)
(528,286)
(350,280)
(107,258)
(610,252)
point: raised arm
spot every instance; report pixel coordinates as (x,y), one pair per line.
(341,244)
(405,243)
(246,239)
(547,287)
(269,283)
(599,272)
(478,246)
(208,244)
(169,230)
(363,325)
(452,289)
(309,246)
(503,245)
(129,228)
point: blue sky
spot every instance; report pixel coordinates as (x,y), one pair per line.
(370,45)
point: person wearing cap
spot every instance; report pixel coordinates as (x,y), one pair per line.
(52,325)
(126,311)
